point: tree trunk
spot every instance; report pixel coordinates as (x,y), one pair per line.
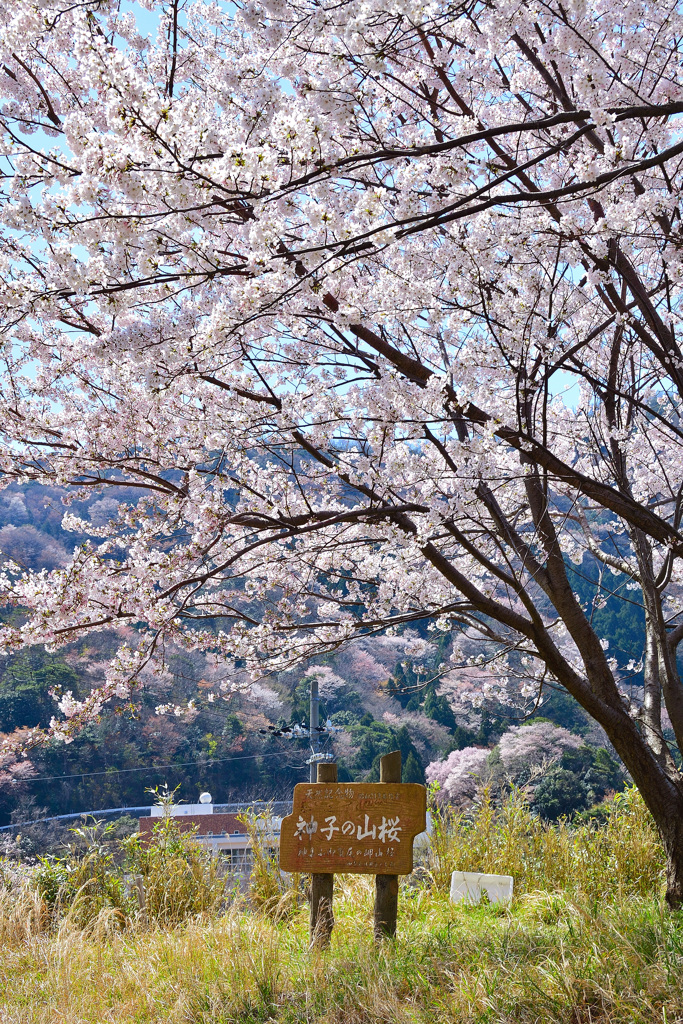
(665,803)
(662,796)
(672,838)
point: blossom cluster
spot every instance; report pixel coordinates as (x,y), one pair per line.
(377,309)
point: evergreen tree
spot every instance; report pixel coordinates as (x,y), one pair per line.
(439,710)
(412,770)
(25,686)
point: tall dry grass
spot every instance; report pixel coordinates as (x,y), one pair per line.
(272,892)
(582,942)
(620,963)
(23,913)
(140,881)
(172,878)
(619,853)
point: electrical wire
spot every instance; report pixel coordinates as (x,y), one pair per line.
(152,767)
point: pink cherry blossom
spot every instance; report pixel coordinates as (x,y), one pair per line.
(378,309)
(460,774)
(530,746)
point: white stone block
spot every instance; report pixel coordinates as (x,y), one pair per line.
(468,886)
(421,842)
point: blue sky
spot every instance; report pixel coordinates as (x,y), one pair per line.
(562,383)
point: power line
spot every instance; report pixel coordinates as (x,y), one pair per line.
(152,767)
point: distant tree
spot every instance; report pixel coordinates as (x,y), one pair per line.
(13,510)
(597,770)
(102,511)
(563,710)
(374,740)
(524,747)
(605,773)
(460,774)
(466,738)
(404,685)
(561,793)
(32,549)
(368,752)
(25,685)
(575,776)
(438,708)
(404,742)
(300,702)
(412,770)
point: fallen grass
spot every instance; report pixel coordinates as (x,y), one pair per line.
(586,938)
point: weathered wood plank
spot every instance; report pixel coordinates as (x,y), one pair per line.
(322,884)
(386,885)
(355,828)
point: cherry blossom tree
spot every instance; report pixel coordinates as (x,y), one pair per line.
(312,276)
(523,750)
(460,774)
(524,747)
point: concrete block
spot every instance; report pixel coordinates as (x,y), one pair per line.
(469,885)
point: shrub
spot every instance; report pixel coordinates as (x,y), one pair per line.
(85,883)
(620,855)
(162,878)
(174,877)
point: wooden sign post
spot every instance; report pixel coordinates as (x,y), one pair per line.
(357,828)
(386,886)
(322,885)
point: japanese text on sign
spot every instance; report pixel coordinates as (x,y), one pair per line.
(353,827)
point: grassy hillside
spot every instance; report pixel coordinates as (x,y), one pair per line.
(546,960)
(586,938)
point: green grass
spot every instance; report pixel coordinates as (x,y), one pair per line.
(545,960)
(587,938)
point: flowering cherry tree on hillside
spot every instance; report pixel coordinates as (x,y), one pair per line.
(310,276)
(530,746)
(521,748)
(460,774)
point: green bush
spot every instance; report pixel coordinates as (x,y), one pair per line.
(85,882)
(619,854)
(174,878)
(160,878)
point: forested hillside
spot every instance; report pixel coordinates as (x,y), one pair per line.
(232,743)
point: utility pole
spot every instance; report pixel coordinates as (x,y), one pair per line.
(314,733)
(313,723)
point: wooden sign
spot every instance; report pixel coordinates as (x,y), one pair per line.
(356,828)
